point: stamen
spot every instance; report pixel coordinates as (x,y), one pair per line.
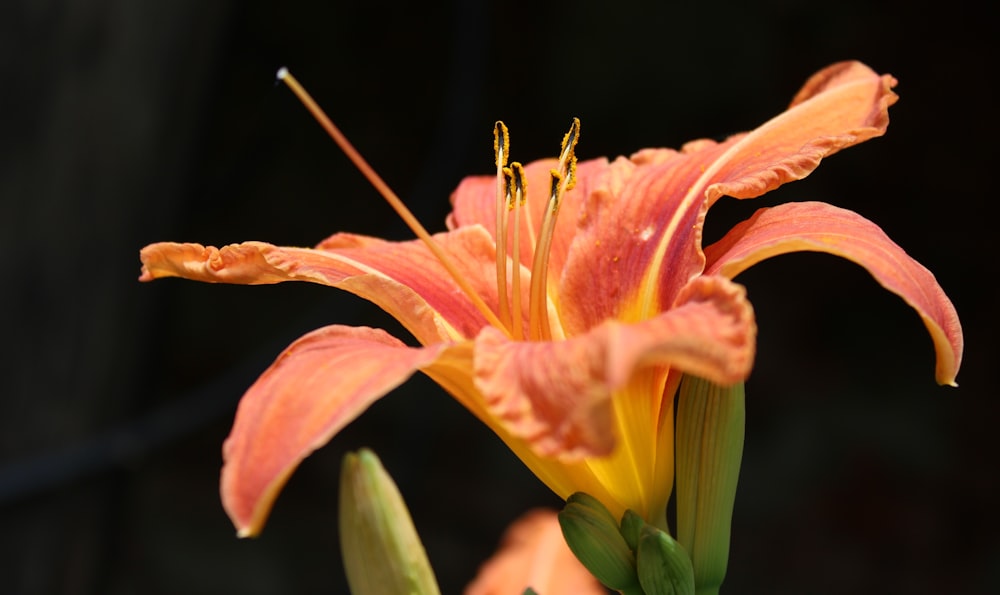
(501,140)
(387,193)
(563,179)
(515,176)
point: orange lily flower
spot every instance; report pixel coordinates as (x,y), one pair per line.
(564,302)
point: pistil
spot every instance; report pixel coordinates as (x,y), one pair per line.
(390,196)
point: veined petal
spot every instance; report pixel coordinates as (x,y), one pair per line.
(642,228)
(556,395)
(636,207)
(820,227)
(842,105)
(403,278)
(530,393)
(321,382)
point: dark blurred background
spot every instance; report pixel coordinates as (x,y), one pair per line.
(124,123)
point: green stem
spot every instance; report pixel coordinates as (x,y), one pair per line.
(709,451)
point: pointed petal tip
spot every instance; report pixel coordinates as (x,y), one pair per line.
(318,385)
(821,227)
(948,380)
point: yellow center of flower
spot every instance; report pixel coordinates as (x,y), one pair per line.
(511,195)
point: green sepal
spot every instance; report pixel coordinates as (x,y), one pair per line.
(663,566)
(709,452)
(593,536)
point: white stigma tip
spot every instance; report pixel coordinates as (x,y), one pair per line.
(282,73)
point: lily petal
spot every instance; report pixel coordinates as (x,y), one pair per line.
(556,395)
(403,278)
(643,226)
(820,227)
(321,382)
(639,205)
(842,105)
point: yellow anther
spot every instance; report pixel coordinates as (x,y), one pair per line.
(570,139)
(571,174)
(567,155)
(520,182)
(501,140)
(508,179)
(554,186)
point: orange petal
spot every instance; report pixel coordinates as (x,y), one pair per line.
(556,395)
(819,227)
(322,382)
(638,208)
(403,278)
(842,105)
(534,554)
(640,237)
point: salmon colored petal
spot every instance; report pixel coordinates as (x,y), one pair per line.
(820,227)
(642,228)
(842,105)
(533,553)
(411,264)
(556,395)
(635,215)
(403,278)
(322,382)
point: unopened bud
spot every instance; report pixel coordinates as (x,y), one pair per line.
(381,550)
(593,536)
(663,566)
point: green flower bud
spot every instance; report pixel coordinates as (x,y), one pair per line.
(663,566)
(381,550)
(593,536)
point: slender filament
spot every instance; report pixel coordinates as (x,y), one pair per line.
(563,179)
(501,140)
(520,186)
